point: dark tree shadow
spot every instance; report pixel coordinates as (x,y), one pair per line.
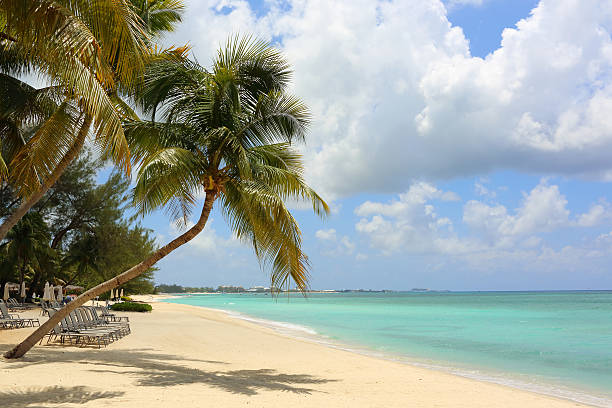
(52,396)
(151,369)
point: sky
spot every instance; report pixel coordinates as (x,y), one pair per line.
(462,144)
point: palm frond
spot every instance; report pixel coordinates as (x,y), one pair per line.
(43,152)
(171,175)
(159,15)
(277,117)
(258,216)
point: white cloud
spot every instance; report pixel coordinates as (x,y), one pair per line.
(408,224)
(543,209)
(455,3)
(396,94)
(326,235)
(482,190)
(597,214)
(332,245)
(412,225)
(207,242)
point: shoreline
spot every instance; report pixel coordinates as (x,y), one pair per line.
(504,379)
(305,333)
(189,354)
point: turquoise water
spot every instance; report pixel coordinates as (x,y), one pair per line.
(558,343)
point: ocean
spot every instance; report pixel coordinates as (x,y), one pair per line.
(556,343)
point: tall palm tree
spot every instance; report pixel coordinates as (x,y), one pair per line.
(226,135)
(91,50)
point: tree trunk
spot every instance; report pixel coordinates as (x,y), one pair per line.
(70,155)
(58,238)
(118,280)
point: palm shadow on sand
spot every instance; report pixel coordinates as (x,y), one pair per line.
(39,397)
(151,369)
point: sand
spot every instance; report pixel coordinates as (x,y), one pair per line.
(185,356)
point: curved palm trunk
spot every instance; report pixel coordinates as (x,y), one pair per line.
(70,155)
(131,273)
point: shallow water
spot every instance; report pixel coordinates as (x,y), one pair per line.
(558,343)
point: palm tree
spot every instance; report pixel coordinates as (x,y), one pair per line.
(91,51)
(159,16)
(227,136)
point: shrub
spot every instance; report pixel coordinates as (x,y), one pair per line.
(131,307)
(126,299)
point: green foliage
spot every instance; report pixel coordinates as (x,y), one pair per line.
(89,240)
(227,132)
(159,15)
(230,289)
(132,307)
(186,289)
(26,253)
(169,289)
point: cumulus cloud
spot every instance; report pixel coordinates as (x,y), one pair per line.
(542,210)
(326,235)
(207,242)
(332,245)
(411,224)
(396,94)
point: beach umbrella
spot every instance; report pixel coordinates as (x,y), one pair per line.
(6,292)
(121,295)
(59,293)
(51,292)
(46,291)
(112,295)
(23,290)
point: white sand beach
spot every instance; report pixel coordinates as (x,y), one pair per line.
(187,356)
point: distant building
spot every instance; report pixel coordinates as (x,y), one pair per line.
(258,289)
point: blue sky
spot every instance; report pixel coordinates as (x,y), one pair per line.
(463,145)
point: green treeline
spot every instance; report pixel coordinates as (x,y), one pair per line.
(78,234)
(185,289)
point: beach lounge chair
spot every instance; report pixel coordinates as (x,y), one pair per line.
(9,323)
(110,316)
(81,318)
(70,324)
(12,303)
(18,322)
(92,315)
(80,337)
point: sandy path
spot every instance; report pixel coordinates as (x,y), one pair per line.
(197,357)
